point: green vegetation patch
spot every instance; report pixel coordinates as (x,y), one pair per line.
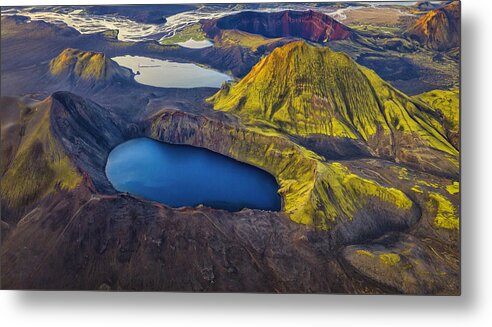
(307,90)
(390,259)
(447,104)
(40,165)
(445,212)
(190,32)
(227,38)
(453,188)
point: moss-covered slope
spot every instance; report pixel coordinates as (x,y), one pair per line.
(306,91)
(446,103)
(39,165)
(87,66)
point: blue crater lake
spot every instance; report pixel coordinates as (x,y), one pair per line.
(182,175)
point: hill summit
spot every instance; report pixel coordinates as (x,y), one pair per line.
(439,29)
(87,66)
(309,91)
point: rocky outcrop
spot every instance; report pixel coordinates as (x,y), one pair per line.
(310,25)
(439,29)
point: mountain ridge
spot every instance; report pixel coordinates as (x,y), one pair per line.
(439,29)
(309,91)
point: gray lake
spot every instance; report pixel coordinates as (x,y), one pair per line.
(166,73)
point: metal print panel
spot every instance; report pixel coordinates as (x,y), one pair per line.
(269,147)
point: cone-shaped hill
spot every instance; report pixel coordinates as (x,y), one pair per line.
(86,67)
(310,91)
(439,29)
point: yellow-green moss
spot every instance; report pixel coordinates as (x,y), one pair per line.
(445,212)
(447,103)
(307,90)
(428,184)
(409,118)
(309,186)
(294,167)
(227,38)
(403,174)
(193,31)
(365,252)
(318,94)
(453,188)
(39,165)
(86,65)
(417,189)
(339,191)
(390,259)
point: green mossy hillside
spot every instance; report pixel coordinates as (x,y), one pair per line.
(227,38)
(193,32)
(307,90)
(86,65)
(446,103)
(40,165)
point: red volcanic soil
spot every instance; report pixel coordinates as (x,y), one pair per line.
(310,25)
(439,29)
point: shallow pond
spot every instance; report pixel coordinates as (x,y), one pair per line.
(166,73)
(182,175)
